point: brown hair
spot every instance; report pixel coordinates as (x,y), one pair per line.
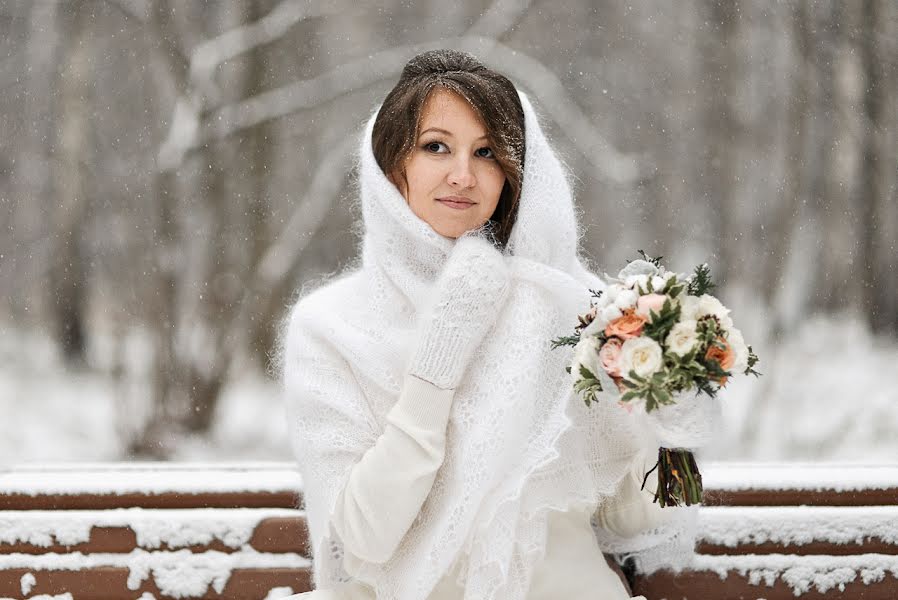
(492,96)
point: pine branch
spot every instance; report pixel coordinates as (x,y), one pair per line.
(701,283)
(566,340)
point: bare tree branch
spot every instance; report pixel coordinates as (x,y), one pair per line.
(499,18)
(280,257)
(185,134)
(207,56)
(202,92)
(611,165)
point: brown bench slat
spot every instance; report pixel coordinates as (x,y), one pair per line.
(281,534)
(290,499)
(286,499)
(869,546)
(702,585)
(275,535)
(794,497)
(111,583)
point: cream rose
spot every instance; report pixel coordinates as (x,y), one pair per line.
(693,308)
(682,337)
(642,355)
(688,307)
(709,305)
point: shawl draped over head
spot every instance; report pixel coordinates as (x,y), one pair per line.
(519,441)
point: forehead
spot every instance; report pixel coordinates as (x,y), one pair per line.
(448,110)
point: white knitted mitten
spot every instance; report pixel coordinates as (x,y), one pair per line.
(690,423)
(467,297)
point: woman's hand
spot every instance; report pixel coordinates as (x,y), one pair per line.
(467,297)
(690,423)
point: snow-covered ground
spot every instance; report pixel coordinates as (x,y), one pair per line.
(826,394)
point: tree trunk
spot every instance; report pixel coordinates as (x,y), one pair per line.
(67,277)
(876,265)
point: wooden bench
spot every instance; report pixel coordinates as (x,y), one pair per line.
(147,530)
(778,530)
(141,531)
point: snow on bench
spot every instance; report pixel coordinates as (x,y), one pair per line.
(154,531)
(782,530)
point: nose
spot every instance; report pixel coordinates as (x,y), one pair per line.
(460,174)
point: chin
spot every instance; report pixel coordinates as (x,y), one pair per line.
(455,232)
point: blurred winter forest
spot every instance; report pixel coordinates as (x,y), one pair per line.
(172,173)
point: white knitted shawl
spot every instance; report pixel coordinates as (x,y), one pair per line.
(519,441)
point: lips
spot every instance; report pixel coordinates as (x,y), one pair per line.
(456,202)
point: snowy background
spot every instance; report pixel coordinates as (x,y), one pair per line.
(171,174)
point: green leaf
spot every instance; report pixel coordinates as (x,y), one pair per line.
(587,374)
(660,325)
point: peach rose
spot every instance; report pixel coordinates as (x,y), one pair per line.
(609,355)
(650,302)
(628,325)
(726,357)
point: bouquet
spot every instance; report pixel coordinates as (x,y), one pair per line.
(650,335)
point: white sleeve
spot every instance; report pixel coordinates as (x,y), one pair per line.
(364,479)
(387,487)
(633,510)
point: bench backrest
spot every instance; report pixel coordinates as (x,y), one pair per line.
(236,531)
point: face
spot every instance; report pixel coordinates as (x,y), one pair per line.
(454,180)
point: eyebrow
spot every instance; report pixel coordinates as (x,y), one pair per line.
(449,133)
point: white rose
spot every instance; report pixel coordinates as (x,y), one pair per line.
(688,307)
(737,343)
(658,283)
(694,307)
(641,354)
(682,338)
(709,305)
(586,353)
(625,299)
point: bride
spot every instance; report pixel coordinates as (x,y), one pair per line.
(442,450)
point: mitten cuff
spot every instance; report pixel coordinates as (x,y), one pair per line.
(690,423)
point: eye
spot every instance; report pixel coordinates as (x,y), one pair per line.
(429,146)
(488,154)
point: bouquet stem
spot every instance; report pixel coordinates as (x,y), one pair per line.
(679,480)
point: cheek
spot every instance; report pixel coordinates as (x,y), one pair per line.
(422,177)
(492,182)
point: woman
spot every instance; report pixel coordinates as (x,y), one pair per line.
(442,451)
